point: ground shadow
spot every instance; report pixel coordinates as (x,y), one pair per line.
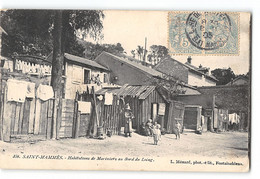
(170,137)
(239,148)
(148,143)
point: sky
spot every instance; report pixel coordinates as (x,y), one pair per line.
(131,27)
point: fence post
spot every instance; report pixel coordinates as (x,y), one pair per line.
(49,119)
(1,105)
(6,118)
(54,116)
(37,116)
(75,116)
(77,124)
(96,123)
(58,119)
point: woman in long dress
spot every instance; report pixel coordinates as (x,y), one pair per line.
(128,121)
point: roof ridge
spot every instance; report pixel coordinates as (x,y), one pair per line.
(188,66)
(135,65)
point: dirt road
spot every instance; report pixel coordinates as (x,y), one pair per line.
(227,144)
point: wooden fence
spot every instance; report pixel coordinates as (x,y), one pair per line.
(19,120)
(35,119)
(105,117)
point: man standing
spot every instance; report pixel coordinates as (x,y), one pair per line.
(128,121)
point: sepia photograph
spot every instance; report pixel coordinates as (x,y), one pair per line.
(125,90)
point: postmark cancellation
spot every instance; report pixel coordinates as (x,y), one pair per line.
(203,33)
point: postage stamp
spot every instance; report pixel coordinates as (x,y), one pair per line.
(203,33)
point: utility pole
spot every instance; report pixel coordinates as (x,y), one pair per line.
(144,49)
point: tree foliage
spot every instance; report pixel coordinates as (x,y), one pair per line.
(169,85)
(140,52)
(28,31)
(224,76)
(31,31)
(156,53)
(153,55)
(91,50)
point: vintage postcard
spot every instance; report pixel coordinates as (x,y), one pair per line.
(125,90)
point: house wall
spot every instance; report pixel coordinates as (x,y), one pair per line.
(204,100)
(209,82)
(240,82)
(174,112)
(192,116)
(125,73)
(142,109)
(199,80)
(173,68)
(195,80)
(236,98)
(75,79)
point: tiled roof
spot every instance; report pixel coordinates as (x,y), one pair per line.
(165,64)
(135,65)
(192,67)
(83,61)
(190,91)
(138,91)
(78,59)
(237,78)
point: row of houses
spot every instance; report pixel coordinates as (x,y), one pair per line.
(130,82)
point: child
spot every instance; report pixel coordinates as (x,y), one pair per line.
(142,129)
(177,130)
(156,133)
(148,127)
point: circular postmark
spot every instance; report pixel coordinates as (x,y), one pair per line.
(208,30)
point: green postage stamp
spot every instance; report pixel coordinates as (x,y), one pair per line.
(203,33)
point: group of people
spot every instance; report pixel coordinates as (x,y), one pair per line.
(149,128)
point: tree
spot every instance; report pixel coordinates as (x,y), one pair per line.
(28,31)
(140,51)
(66,24)
(157,52)
(91,50)
(42,31)
(38,32)
(169,86)
(31,31)
(133,53)
(224,76)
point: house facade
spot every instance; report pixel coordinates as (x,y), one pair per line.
(240,80)
(80,73)
(124,71)
(186,72)
(146,102)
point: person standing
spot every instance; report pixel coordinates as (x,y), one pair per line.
(128,121)
(177,129)
(148,127)
(156,133)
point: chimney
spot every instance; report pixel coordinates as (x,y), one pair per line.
(189,59)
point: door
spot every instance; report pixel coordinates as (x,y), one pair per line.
(154,111)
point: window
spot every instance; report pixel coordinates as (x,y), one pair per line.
(86,76)
(105,78)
